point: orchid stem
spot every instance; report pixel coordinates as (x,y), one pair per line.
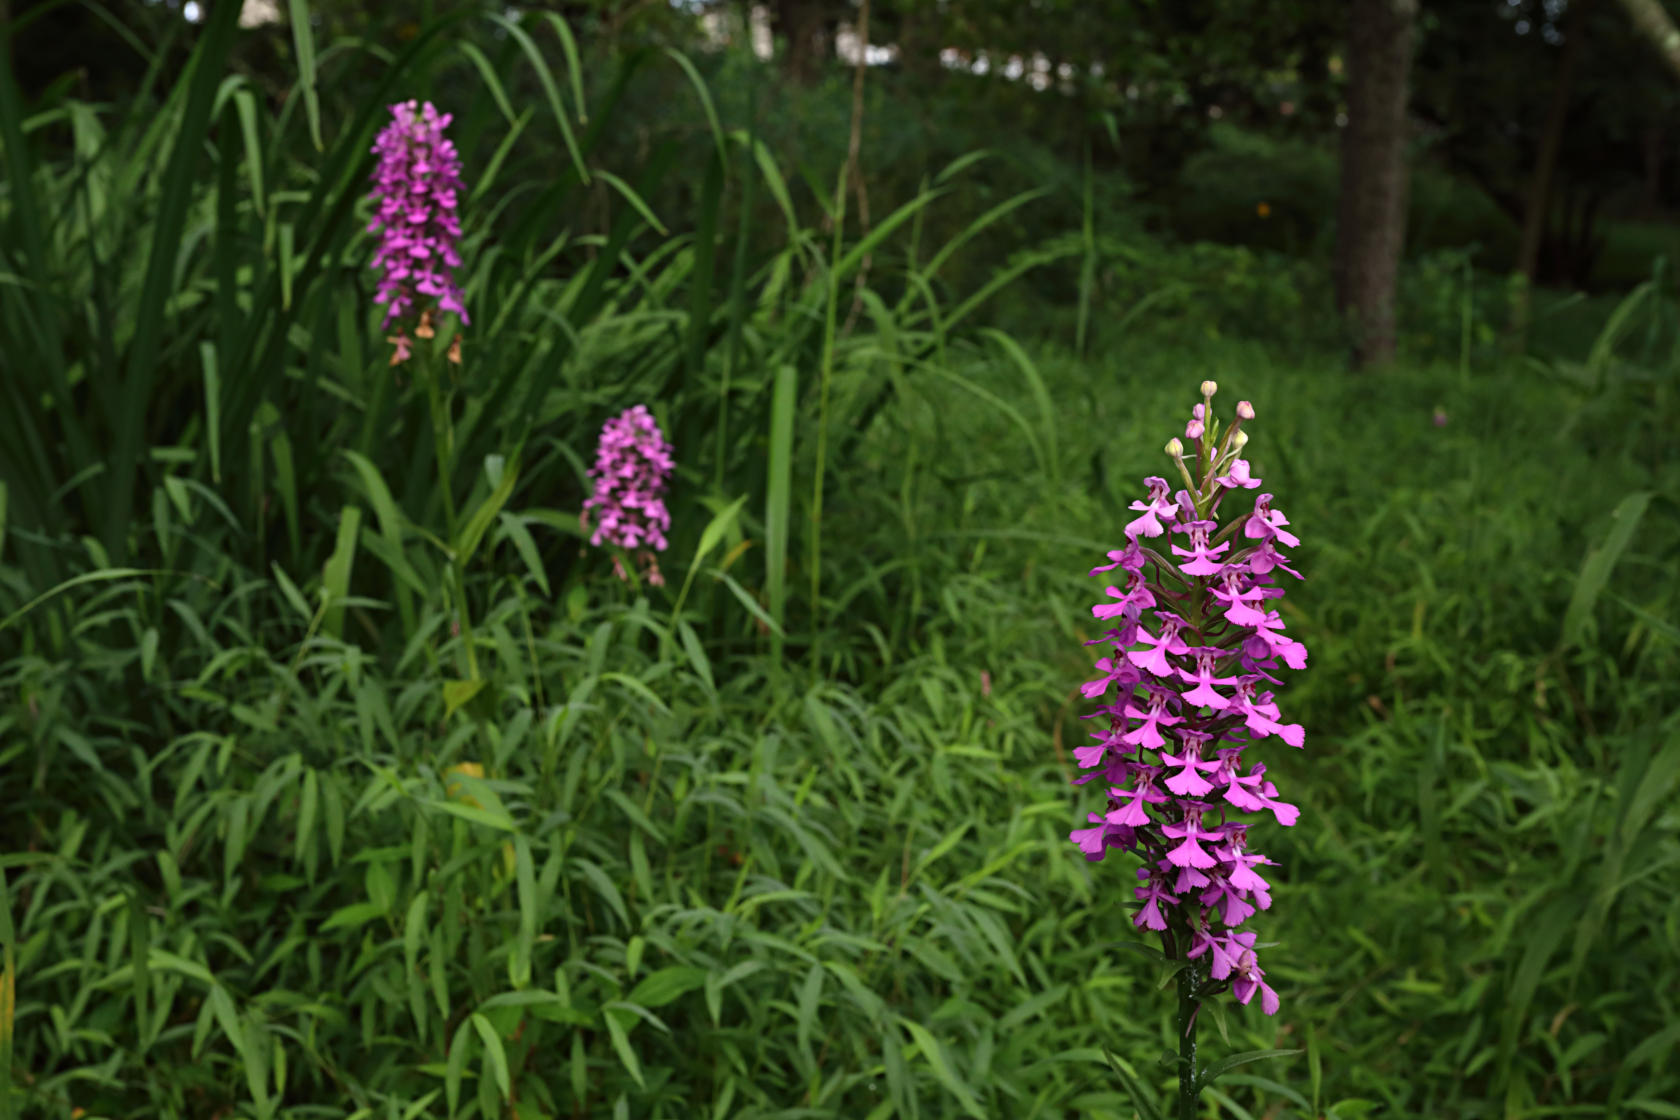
(1187,1007)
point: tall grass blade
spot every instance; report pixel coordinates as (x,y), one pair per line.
(545,77)
(303,39)
(8,997)
(176,195)
(1600,561)
(336,578)
(778,499)
(1087,266)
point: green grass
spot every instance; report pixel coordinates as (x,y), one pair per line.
(779,840)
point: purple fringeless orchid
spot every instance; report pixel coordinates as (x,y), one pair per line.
(632,464)
(1186,690)
(416,187)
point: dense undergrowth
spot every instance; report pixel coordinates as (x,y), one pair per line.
(787,837)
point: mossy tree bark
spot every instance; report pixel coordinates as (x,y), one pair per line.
(1371,209)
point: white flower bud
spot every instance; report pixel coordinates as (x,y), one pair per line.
(1175,448)
(1209,388)
(1240,440)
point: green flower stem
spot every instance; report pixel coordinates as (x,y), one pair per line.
(1188,990)
(443,438)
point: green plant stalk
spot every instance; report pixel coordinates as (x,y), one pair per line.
(822,410)
(443,440)
(1188,1003)
(737,284)
(8,998)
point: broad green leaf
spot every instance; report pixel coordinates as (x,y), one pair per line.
(303,39)
(1600,561)
(459,1052)
(525,880)
(498,819)
(336,577)
(1211,1073)
(935,1056)
(494,1056)
(621,1043)
(660,988)
(466,542)
(354,916)
(457,693)
(1141,1101)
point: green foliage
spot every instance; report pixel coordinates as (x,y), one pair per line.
(775,840)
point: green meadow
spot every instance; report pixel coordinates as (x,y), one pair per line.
(341,778)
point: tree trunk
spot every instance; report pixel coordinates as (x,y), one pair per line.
(1539,206)
(801,23)
(1650,201)
(1371,208)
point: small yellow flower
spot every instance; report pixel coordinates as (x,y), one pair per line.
(454,789)
(1264,210)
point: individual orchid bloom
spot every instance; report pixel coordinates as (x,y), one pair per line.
(1107,740)
(1155,507)
(1187,880)
(1268,629)
(1203,558)
(1154,658)
(1152,893)
(1248,978)
(1227,897)
(1240,870)
(1148,732)
(1134,600)
(1131,558)
(1189,853)
(1266,523)
(1266,795)
(1131,813)
(1240,788)
(1240,598)
(1261,716)
(1188,782)
(1093,841)
(1203,678)
(1237,475)
(1264,558)
(1203,940)
(1112,669)
(1228,951)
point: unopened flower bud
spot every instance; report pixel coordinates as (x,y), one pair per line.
(1245,411)
(1175,448)
(1193,430)
(1209,388)
(1239,441)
